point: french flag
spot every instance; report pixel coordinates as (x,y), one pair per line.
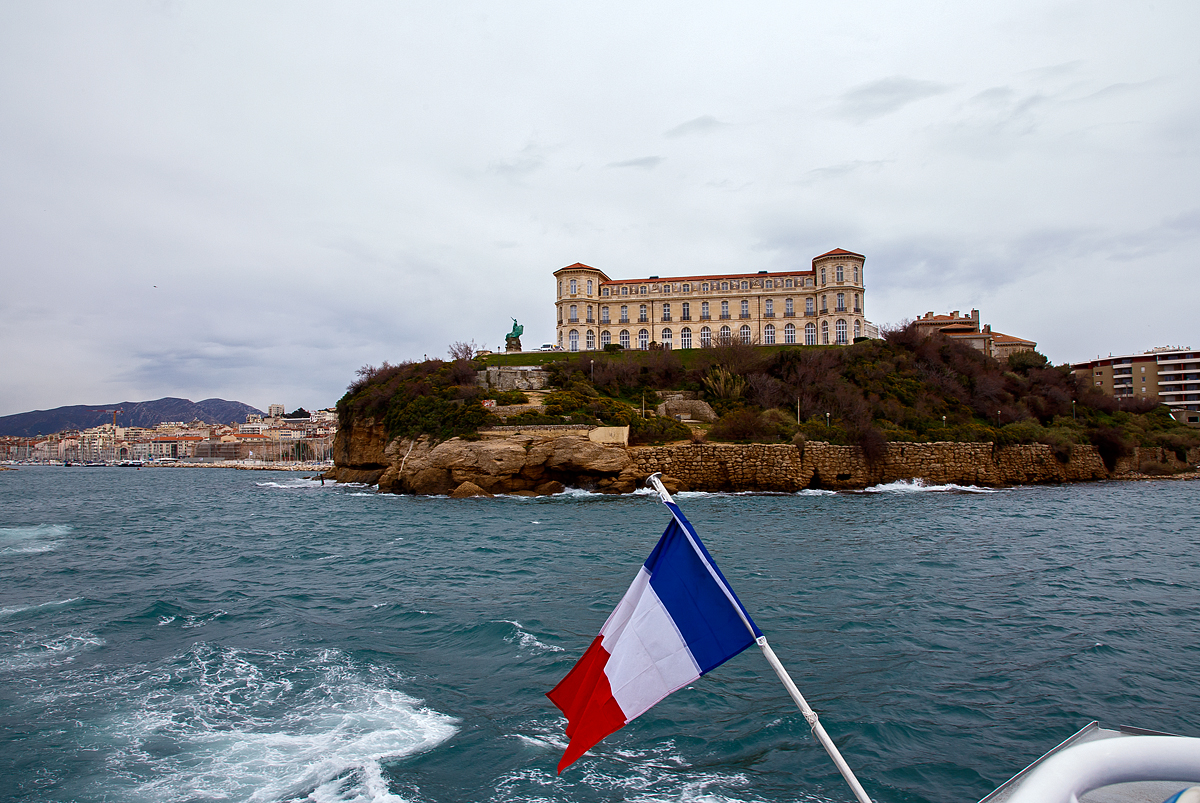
(679,620)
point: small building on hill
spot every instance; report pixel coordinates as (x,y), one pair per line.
(967,329)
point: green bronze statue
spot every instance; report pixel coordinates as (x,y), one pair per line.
(512,341)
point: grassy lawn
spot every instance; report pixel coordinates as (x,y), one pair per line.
(525,358)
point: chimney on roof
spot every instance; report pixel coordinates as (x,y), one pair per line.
(954,314)
(929,315)
(974,314)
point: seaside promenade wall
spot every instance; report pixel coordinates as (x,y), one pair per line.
(537,461)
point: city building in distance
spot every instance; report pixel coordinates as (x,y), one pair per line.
(966,329)
(1167,374)
(823,305)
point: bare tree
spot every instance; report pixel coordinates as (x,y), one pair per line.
(463,351)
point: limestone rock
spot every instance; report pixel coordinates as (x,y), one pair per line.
(468,490)
(550,488)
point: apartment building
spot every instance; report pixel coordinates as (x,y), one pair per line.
(1169,374)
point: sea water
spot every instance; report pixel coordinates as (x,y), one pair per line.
(220,635)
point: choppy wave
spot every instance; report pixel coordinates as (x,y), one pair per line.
(31,540)
(299,482)
(919,485)
(17,609)
(526,640)
(220,723)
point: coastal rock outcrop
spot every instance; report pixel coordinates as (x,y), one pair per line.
(534,463)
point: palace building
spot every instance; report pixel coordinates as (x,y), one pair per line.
(820,306)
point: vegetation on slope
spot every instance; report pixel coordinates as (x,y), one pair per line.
(903,388)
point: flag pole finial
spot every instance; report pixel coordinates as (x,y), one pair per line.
(655,482)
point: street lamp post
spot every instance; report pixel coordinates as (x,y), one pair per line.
(827,421)
(593,371)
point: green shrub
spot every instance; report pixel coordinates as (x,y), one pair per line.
(657,430)
(507,397)
(431,415)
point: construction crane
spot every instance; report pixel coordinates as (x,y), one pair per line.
(114,415)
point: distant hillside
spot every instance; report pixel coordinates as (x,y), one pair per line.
(136,414)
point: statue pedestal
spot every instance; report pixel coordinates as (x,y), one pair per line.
(512,344)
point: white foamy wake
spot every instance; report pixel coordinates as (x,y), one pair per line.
(39,651)
(231,725)
(31,540)
(919,485)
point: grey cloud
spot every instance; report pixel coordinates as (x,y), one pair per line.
(839,170)
(701,125)
(644,162)
(879,98)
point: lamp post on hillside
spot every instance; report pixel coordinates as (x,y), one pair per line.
(593,371)
(827,421)
(1072,409)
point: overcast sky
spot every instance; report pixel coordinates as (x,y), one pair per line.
(250,200)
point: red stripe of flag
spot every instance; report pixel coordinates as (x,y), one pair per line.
(586,700)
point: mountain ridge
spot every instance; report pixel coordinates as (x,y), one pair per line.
(136,414)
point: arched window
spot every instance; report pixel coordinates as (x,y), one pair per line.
(687,288)
(841,302)
(574,287)
(724,285)
(724,309)
(769,284)
(604,291)
(643,339)
(857,308)
(745,308)
(856,274)
(744,334)
(667,338)
(591,340)
(745,285)
(789,333)
(625,290)
(787,283)
(666,288)
(825,333)
(705,337)
(789,307)
(824,304)
(810,334)
(642,313)
(769,306)
(573,339)
(624,338)
(840,331)
(642,290)
(605,338)
(822,277)
(624,313)
(704,316)
(687,312)
(857,330)
(810,308)
(574,314)
(589,287)
(769,334)
(685,338)
(590,318)
(604,315)
(725,336)
(841,276)
(704,287)
(560,289)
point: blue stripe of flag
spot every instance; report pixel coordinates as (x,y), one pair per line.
(708,622)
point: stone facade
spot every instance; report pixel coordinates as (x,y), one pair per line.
(823,305)
(514,378)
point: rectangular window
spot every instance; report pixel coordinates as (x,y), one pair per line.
(725,309)
(789,307)
(704,316)
(769,308)
(745,307)
(841,302)
(666,312)
(624,313)
(642,318)
(604,314)
(687,313)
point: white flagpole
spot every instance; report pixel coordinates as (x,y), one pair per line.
(810,716)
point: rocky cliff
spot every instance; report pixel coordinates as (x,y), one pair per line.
(543,462)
